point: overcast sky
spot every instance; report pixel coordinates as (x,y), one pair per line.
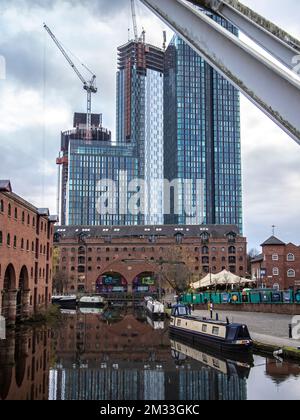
(41,93)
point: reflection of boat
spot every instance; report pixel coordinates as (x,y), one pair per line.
(91,311)
(154,308)
(156,325)
(68,311)
(65,301)
(220,335)
(240,366)
(91,301)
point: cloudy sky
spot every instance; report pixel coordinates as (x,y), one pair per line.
(41,93)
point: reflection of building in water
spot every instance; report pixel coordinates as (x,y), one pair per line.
(128,360)
(24,365)
(280,372)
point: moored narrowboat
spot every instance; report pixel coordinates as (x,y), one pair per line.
(66,302)
(154,308)
(223,336)
(91,302)
(237,364)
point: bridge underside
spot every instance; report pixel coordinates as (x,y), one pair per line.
(273,90)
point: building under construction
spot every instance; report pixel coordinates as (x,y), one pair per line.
(140,88)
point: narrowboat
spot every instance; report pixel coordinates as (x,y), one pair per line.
(154,308)
(67,302)
(223,336)
(91,302)
(239,366)
(91,311)
(156,324)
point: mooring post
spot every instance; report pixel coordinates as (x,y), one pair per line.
(290,331)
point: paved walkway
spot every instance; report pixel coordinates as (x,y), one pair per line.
(269,329)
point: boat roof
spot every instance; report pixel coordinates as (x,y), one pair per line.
(211,321)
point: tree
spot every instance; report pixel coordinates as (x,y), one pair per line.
(60,282)
(175,268)
(253,253)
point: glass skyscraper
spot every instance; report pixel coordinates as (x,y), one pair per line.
(92,167)
(140,119)
(202,137)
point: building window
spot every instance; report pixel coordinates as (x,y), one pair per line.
(2,206)
(291,257)
(205,250)
(291,274)
(275,271)
(232,250)
(275,257)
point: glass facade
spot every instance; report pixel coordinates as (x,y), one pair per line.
(89,163)
(140,119)
(202,136)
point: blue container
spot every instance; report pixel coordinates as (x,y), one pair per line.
(288,296)
(276,297)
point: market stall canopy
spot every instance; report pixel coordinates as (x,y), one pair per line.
(220,279)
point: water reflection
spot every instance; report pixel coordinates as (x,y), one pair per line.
(120,354)
(25,364)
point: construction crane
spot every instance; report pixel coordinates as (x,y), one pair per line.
(88,86)
(272,88)
(135,28)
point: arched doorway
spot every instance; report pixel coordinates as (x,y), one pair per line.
(145,284)
(9,284)
(22,294)
(111,282)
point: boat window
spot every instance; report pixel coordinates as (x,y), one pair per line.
(216,363)
(204,328)
(178,322)
(204,358)
(182,310)
(216,331)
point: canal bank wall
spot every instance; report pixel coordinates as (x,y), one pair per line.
(278,308)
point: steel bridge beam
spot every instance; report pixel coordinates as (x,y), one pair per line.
(270,37)
(274,91)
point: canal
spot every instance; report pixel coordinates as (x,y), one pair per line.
(120,354)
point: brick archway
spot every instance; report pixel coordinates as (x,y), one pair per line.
(130,270)
(8,299)
(23,294)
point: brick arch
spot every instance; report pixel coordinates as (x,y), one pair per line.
(10,279)
(129,270)
(23,278)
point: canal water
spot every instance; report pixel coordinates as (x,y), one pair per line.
(117,354)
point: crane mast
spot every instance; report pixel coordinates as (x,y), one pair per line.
(88,86)
(135,28)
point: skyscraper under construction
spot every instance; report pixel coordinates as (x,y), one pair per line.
(140,119)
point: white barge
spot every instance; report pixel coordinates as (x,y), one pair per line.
(154,308)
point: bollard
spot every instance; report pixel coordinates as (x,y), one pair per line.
(290,331)
(217,317)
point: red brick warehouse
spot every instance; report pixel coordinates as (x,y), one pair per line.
(26,240)
(134,253)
